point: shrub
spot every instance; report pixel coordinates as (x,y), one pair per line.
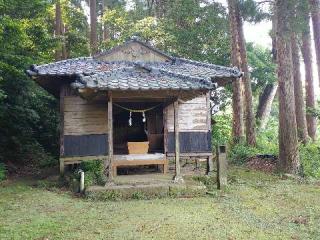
(94,172)
(239,153)
(310,160)
(267,139)
(221,129)
(2,172)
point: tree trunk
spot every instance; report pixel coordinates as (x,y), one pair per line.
(237,107)
(65,54)
(315,15)
(265,104)
(93,27)
(105,29)
(160,7)
(249,114)
(58,29)
(298,92)
(269,92)
(310,97)
(288,139)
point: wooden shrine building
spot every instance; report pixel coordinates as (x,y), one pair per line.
(133,105)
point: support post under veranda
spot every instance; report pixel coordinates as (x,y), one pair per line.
(178,177)
(110,140)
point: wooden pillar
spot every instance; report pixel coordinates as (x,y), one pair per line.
(62,95)
(110,137)
(209,125)
(178,178)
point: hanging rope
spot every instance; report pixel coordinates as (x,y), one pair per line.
(137,111)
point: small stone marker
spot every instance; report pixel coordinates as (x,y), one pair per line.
(81,182)
(222,167)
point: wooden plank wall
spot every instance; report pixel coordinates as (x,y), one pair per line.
(190,142)
(193,115)
(133,52)
(82,117)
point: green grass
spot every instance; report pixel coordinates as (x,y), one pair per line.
(255,206)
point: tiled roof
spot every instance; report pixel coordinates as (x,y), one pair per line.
(75,66)
(195,69)
(137,78)
(178,73)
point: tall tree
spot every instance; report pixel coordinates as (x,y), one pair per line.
(93,27)
(249,114)
(270,90)
(265,104)
(58,29)
(307,58)
(315,15)
(298,92)
(237,106)
(288,139)
(104,25)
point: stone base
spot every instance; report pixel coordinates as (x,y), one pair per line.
(135,188)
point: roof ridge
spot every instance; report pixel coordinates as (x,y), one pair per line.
(209,65)
(206,81)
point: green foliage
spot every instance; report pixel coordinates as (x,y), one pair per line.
(2,171)
(221,129)
(314,111)
(262,68)
(94,172)
(75,37)
(240,153)
(267,143)
(199,32)
(186,30)
(28,119)
(267,139)
(310,160)
(252,11)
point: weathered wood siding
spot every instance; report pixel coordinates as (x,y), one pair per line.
(85,145)
(193,116)
(85,127)
(194,126)
(133,52)
(190,142)
(82,117)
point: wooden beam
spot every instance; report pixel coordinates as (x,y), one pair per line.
(62,95)
(178,178)
(110,136)
(73,160)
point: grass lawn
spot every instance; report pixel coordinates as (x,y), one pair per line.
(255,206)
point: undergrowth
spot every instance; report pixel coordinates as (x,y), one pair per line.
(2,172)
(267,144)
(94,172)
(310,160)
